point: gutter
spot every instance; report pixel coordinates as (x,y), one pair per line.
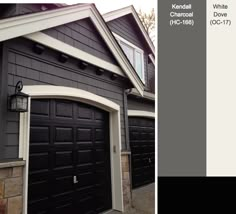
(146,95)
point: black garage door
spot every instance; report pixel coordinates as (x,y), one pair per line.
(142,141)
(69,158)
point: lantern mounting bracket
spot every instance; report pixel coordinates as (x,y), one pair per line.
(18,87)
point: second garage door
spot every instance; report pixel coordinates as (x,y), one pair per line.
(142,142)
(69,158)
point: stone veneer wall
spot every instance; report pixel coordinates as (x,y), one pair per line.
(11,187)
(126,179)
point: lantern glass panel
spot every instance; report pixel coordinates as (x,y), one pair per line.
(13,103)
(25,103)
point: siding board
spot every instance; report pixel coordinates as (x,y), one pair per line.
(83,35)
(142,105)
(34,69)
(126,27)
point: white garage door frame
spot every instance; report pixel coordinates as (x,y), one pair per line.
(60,92)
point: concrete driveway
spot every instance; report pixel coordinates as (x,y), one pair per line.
(143,200)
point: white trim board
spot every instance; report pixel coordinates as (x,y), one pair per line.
(127,42)
(45,91)
(32,23)
(56,44)
(125,11)
(152,59)
(146,94)
(137,113)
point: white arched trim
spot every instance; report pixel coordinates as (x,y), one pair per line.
(137,113)
(45,91)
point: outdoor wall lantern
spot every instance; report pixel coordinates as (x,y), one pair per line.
(19,100)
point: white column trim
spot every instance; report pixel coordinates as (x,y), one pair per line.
(45,91)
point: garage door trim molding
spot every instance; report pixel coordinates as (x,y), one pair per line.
(137,113)
(45,91)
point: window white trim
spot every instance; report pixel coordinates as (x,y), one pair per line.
(126,41)
(30,23)
(125,11)
(45,91)
(136,49)
(137,113)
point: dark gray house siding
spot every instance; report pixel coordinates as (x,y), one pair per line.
(127,28)
(83,35)
(141,104)
(32,69)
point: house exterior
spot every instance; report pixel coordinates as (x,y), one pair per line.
(87,137)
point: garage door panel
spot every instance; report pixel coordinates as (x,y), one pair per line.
(63,158)
(39,134)
(63,207)
(100,155)
(40,108)
(63,184)
(99,116)
(142,150)
(64,109)
(134,135)
(84,134)
(86,203)
(35,159)
(85,145)
(40,206)
(63,134)
(86,179)
(68,139)
(38,190)
(99,134)
(84,113)
(85,157)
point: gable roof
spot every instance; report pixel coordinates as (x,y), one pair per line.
(29,26)
(130,10)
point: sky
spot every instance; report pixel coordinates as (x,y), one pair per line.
(103,5)
(109,5)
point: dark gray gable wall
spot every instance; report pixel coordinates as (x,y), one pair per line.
(22,64)
(83,35)
(127,28)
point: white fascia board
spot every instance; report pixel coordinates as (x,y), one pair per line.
(55,44)
(116,50)
(116,13)
(130,10)
(146,94)
(152,59)
(31,23)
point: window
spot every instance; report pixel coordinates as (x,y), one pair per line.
(134,54)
